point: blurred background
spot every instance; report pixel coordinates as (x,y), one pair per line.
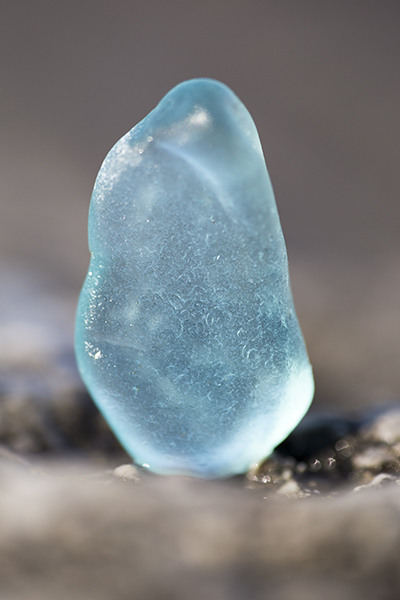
(321,80)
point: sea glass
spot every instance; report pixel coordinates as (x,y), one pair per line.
(186,333)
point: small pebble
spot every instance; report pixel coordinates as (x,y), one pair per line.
(127,473)
(291,489)
(378,482)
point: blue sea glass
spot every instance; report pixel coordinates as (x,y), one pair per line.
(186,333)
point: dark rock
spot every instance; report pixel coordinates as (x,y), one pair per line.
(314,433)
(44,406)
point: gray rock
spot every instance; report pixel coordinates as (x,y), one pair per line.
(385,427)
(181,538)
(372,458)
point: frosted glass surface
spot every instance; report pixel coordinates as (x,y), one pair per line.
(186,333)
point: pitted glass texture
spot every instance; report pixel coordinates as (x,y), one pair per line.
(186,334)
